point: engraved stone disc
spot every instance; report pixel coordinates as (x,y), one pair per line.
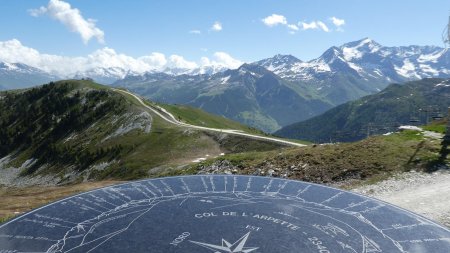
(218,214)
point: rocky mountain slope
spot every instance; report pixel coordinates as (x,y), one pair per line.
(72,131)
(398,104)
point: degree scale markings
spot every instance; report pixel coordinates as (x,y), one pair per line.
(216,208)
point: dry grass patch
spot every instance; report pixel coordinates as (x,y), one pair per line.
(15,201)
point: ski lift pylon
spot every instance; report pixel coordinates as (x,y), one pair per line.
(446,33)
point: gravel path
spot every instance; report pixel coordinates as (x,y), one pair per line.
(422,193)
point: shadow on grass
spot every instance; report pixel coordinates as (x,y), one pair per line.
(418,148)
(441,162)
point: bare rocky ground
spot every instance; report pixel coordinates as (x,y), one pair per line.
(427,194)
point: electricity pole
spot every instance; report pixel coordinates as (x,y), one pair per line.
(446,141)
(446,34)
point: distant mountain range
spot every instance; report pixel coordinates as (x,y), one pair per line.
(359,68)
(398,104)
(250,94)
(18,75)
(287,90)
(278,91)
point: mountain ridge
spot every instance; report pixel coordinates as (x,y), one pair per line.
(379,113)
(19,75)
(85,131)
(294,90)
(350,52)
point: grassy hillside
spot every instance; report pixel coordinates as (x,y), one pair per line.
(195,116)
(345,164)
(78,130)
(363,161)
(375,114)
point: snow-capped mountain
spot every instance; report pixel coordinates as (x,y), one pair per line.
(272,92)
(263,94)
(203,70)
(111,75)
(361,68)
(18,75)
(279,63)
(396,63)
(368,60)
(103,75)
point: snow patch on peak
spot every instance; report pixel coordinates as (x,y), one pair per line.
(445,83)
(408,70)
(357,49)
(433,57)
(351,53)
(8,66)
(224,80)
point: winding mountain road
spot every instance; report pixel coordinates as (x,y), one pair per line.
(167,116)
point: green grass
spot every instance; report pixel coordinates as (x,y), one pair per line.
(199,117)
(6,218)
(369,160)
(257,118)
(406,135)
(438,127)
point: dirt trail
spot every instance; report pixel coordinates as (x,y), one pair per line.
(422,193)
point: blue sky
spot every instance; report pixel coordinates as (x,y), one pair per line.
(140,27)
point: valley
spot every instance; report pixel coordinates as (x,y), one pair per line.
(167,116)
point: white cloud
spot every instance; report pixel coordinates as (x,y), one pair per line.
(195,32)
(177,61)
(13,51)
(323,26)
(155,60)
(292,27)
(72,19)
(217,26)
(274,20)
(221,60)
(314,25)
(108,58)
(37,12)
(224,59)
(204,61)
(337,22)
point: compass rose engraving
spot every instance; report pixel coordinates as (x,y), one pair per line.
(226,247)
